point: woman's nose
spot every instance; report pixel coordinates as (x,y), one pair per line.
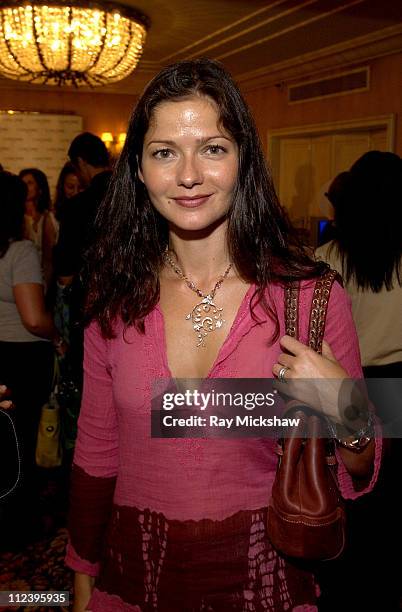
(189,171)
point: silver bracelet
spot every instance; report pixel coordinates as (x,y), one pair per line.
(358,440)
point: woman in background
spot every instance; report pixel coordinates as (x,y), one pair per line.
(68,185)
(27,341)
(37,204)
(40,222)
(4,403)
(367,253)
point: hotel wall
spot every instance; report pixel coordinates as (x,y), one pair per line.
(110,112)
(100,112)
(272,111)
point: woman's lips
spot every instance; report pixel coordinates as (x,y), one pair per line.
(192,201)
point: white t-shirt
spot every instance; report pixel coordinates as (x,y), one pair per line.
(377,316)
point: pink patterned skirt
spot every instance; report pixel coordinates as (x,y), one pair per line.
(151,564)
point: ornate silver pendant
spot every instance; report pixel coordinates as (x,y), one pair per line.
(205,318)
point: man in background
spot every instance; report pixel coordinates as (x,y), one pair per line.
(90,158)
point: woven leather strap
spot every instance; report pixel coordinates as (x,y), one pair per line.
(318,316)
(318,310)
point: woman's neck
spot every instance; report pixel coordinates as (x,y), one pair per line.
(203,257)
(31,210)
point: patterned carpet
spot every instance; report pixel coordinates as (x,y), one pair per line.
(40,567)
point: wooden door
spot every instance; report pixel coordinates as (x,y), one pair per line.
(308,164)
(295,181)
(346,149)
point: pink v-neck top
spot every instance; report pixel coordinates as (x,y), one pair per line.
(118,464)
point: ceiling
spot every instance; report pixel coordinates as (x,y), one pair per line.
(261,41)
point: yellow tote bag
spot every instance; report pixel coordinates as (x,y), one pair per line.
(48,446)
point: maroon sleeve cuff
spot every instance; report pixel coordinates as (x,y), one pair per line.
(91,501)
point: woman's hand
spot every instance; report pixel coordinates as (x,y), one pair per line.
(60,346)
(4,403)
(320,382)
(303,362)
(313,379)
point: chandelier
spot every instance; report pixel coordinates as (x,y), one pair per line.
(69,42)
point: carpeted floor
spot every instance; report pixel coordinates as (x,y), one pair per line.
(39,567)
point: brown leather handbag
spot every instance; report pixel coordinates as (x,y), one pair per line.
(306,515)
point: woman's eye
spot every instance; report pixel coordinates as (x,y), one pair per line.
(162,154)
(215,149)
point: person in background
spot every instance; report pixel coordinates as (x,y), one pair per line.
(40,222)
(333,195)
(90,158)
(178,525)
(68,185)
(367,252)
(5,403)
(9,462)
(28,339)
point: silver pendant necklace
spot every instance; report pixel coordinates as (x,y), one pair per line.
(206,316)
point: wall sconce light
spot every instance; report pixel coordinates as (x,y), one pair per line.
(107,138)
(114,144)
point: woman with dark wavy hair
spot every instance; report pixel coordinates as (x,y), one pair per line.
(367,253)
(40,225)
(186,278)
(68,185)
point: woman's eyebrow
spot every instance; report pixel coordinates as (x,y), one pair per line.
(198,140)
(168,142)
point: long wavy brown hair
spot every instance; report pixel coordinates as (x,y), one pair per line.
(368,218)
(124,261)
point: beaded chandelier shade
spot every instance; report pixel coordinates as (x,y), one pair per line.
(73,43)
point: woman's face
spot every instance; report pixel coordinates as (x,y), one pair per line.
(71,185)
(189,163)
(33,187)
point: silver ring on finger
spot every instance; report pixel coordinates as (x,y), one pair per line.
(282,372)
